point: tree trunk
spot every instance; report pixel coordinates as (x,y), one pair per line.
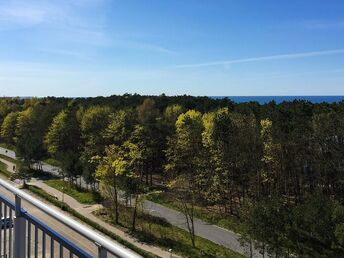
(151,179)
(188,213)
(116,202)
(133,226)
(251,249)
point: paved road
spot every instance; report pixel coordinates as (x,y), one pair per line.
(46,167)
(203,229)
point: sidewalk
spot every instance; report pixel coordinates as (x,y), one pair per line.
(86,210)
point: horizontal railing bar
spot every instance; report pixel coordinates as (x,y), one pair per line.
(113,248)
(56,236)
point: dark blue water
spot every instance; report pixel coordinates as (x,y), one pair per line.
(279,99)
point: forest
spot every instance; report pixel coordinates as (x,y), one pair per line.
(278,169)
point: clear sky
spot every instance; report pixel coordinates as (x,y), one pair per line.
(197,47)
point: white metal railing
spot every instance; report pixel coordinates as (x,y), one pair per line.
(19,245)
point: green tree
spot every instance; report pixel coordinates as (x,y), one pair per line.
(328,153)
(63,142)
(231,140)
(268,222)
(131,181)
(111,169)
(120,126)
(8,128)
(29,143)
(171,114)
(93,123)
(338,220)
(269,178)
(185,156)
(150,136)
(313,232)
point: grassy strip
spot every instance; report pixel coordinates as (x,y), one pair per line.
(41,193)
(3,170)
(202,213)
(158,231)
(7,146)
(53,162)
(3,166)
(9,159)
(81,195)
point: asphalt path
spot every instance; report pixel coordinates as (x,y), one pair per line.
(203,229)
(46,167)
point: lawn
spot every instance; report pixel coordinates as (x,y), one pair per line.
(202,213)
(53,162)
(3,166)
(7,146)
(3,170)
(81,195)
(158,232)
(9,159)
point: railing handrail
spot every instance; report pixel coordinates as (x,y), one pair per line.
(76,226)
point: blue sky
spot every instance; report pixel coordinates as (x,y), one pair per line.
(197,47)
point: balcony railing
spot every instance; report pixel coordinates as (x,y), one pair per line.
(24,235)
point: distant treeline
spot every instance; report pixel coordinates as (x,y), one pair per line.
(278,168)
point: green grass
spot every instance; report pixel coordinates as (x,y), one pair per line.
(3,170)
(81,195)
(9,159)
(154,230)
(3,166)
(202,213)
(53,162)
(44,195)
(7,146)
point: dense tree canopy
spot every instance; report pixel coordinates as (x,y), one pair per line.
(278,168)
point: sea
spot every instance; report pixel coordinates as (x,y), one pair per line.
(280,99)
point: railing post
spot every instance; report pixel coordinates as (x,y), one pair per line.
(19,230)
(102,252)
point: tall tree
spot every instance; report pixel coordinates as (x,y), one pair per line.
(121,124)
(8,128)
(150,136)
(328,149)
(269,178)
(29,143)
(232,142)
(63,142)
(185,157)
(111,169)
(93,123)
